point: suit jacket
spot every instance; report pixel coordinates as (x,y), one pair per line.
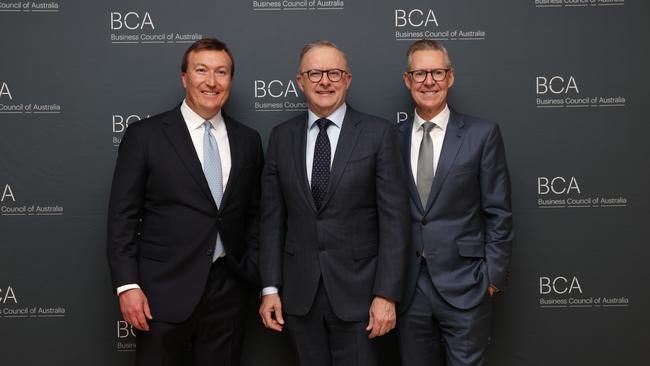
(163,221)
(357,241)
(465,228)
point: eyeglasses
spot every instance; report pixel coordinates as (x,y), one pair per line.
(420,76)
(316,75)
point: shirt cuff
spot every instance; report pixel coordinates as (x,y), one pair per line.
(269,290)
(130,286)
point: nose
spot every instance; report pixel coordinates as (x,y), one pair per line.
(325,80)
(429,80)
(211,80)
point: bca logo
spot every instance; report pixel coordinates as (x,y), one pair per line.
(120,122)
(557,185)
(7,193)
(8,296)
(130,20)
(415,18)
(4,90)
(124,330)
(275,89)
(556,84)
(559,285)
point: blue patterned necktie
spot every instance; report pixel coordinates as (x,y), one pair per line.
(213,174)
(320,172)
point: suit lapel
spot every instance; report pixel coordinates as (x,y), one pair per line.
(347,140)
(299,138)
(178,135)
(405,131)
(236,157)
(450,148)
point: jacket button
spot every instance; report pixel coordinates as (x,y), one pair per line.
(418,253)
(209,252)
(423,221)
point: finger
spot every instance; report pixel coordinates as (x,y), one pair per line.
(371,322)
(376,332)
(147,310)
(278,314)
(267,319)
(142,321)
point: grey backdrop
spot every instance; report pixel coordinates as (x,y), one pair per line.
(566,80)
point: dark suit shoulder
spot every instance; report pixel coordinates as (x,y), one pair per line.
(153,122)
(242,129)
(374,121)
(293,122)
(473,121)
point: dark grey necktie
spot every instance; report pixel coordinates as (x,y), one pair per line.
(425,163)
(320,171)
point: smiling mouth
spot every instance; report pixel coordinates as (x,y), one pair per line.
(210,93)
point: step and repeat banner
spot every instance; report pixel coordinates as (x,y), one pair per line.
(565,79)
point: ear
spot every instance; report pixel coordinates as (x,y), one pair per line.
(184,79)
(450,82)
(348,80)
(299,82)
(407,80)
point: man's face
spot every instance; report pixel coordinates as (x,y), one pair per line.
(325,96)
(430,96)
(207,81)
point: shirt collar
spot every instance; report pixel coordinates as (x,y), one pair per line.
(336,117)
(441,119)
(194,121)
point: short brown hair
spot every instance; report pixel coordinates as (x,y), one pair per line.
(424,45)
(211,44)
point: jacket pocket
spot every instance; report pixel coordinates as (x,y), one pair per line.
(471,248)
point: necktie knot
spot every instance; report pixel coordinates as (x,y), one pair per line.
(207,125)
(428,126)
(323,123)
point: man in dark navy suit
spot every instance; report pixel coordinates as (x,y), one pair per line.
(461,220)
(334,223)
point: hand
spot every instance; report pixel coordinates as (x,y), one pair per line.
(382,317)
(271,312)
(135,308)
(492,290)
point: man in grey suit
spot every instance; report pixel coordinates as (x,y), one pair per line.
(334,221)
(461,220)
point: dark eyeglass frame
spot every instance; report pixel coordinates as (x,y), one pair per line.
(441,74)
(316,75)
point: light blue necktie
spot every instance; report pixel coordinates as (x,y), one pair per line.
(212,171)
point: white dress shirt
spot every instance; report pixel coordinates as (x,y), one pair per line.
(196,129)
(437,134)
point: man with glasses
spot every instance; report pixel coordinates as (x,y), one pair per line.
(461,220)
(334,222)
